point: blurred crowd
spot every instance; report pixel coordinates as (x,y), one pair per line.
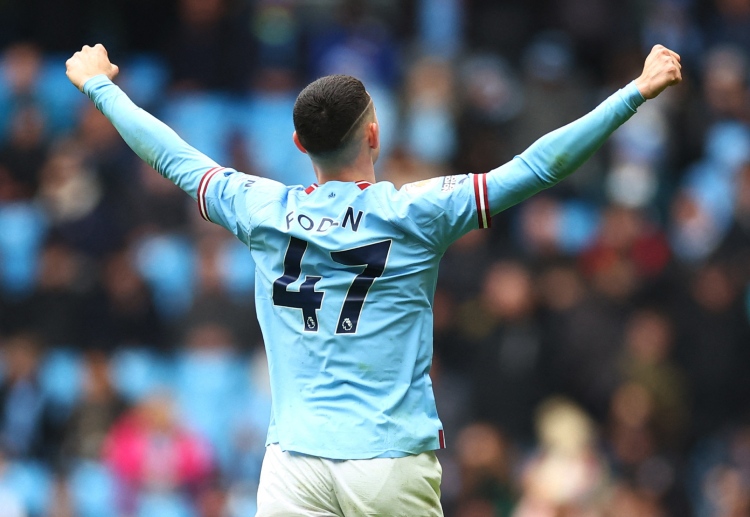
(591,350)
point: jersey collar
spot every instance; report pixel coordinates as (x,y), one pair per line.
(362,184)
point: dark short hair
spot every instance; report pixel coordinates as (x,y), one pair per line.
(325,112)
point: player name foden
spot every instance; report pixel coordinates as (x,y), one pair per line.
(307,223)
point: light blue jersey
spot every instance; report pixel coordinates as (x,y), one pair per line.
(346,273)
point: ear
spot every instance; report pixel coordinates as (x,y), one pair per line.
(373,135)
(298,143)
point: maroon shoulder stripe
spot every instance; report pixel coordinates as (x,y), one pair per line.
(203,188)
(482,200)
(487,213)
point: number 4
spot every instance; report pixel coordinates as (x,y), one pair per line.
(372,256)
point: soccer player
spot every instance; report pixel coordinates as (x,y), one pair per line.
(345,277)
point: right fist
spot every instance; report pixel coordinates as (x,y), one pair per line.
(662,69)
(87,63)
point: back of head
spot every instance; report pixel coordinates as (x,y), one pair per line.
(328,112)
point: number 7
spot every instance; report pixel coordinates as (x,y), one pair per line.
(373,257)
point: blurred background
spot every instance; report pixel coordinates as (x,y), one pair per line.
(591,350)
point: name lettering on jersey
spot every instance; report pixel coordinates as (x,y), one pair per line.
(326,224)
(309,224)
(349,216)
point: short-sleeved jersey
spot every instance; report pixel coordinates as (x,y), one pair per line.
(345,278)
(346,271)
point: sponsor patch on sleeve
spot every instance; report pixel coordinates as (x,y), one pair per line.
(451,182)
(419,187)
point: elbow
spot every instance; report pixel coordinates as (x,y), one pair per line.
(550,172)
(559,168)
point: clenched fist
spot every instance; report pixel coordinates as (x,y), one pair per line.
(87,63)
(662,69)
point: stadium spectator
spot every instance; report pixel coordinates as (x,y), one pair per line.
(486,460)
(502,331)
(151,451)
(30,426)
(56,308)
(209,49)
(567,474)
(98,409)
(121,311)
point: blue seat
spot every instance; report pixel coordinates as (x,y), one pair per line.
(265,123)
(388,118)
(202,120)
(145,78)
(251,415)
(208,387)
(431,133)
(92,490)
(237,268)
(243,501)
(7,104)
(136,373)
(61,375)
(60,100)
(578,225)
(167,263)
(164,505)
(728,144)
(23,230)
(31,482)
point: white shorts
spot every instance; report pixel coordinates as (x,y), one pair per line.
(296,484)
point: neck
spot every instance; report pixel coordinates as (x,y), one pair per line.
(360,169)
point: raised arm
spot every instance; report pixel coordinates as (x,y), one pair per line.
(91,71)
(559,153)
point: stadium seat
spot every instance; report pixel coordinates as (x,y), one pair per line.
(167,262)
(7,107)
(92,490)
(242,500)
(579,222)
(430,133)
(250,420)
(31,482)
(164,505)
(144,77)
(59,99)
(61,375)
(200,119)
(137,373)
(209,387)
(388,117)
(265,123)
(23,231)
(712,180)
(728,143)
(237,269)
